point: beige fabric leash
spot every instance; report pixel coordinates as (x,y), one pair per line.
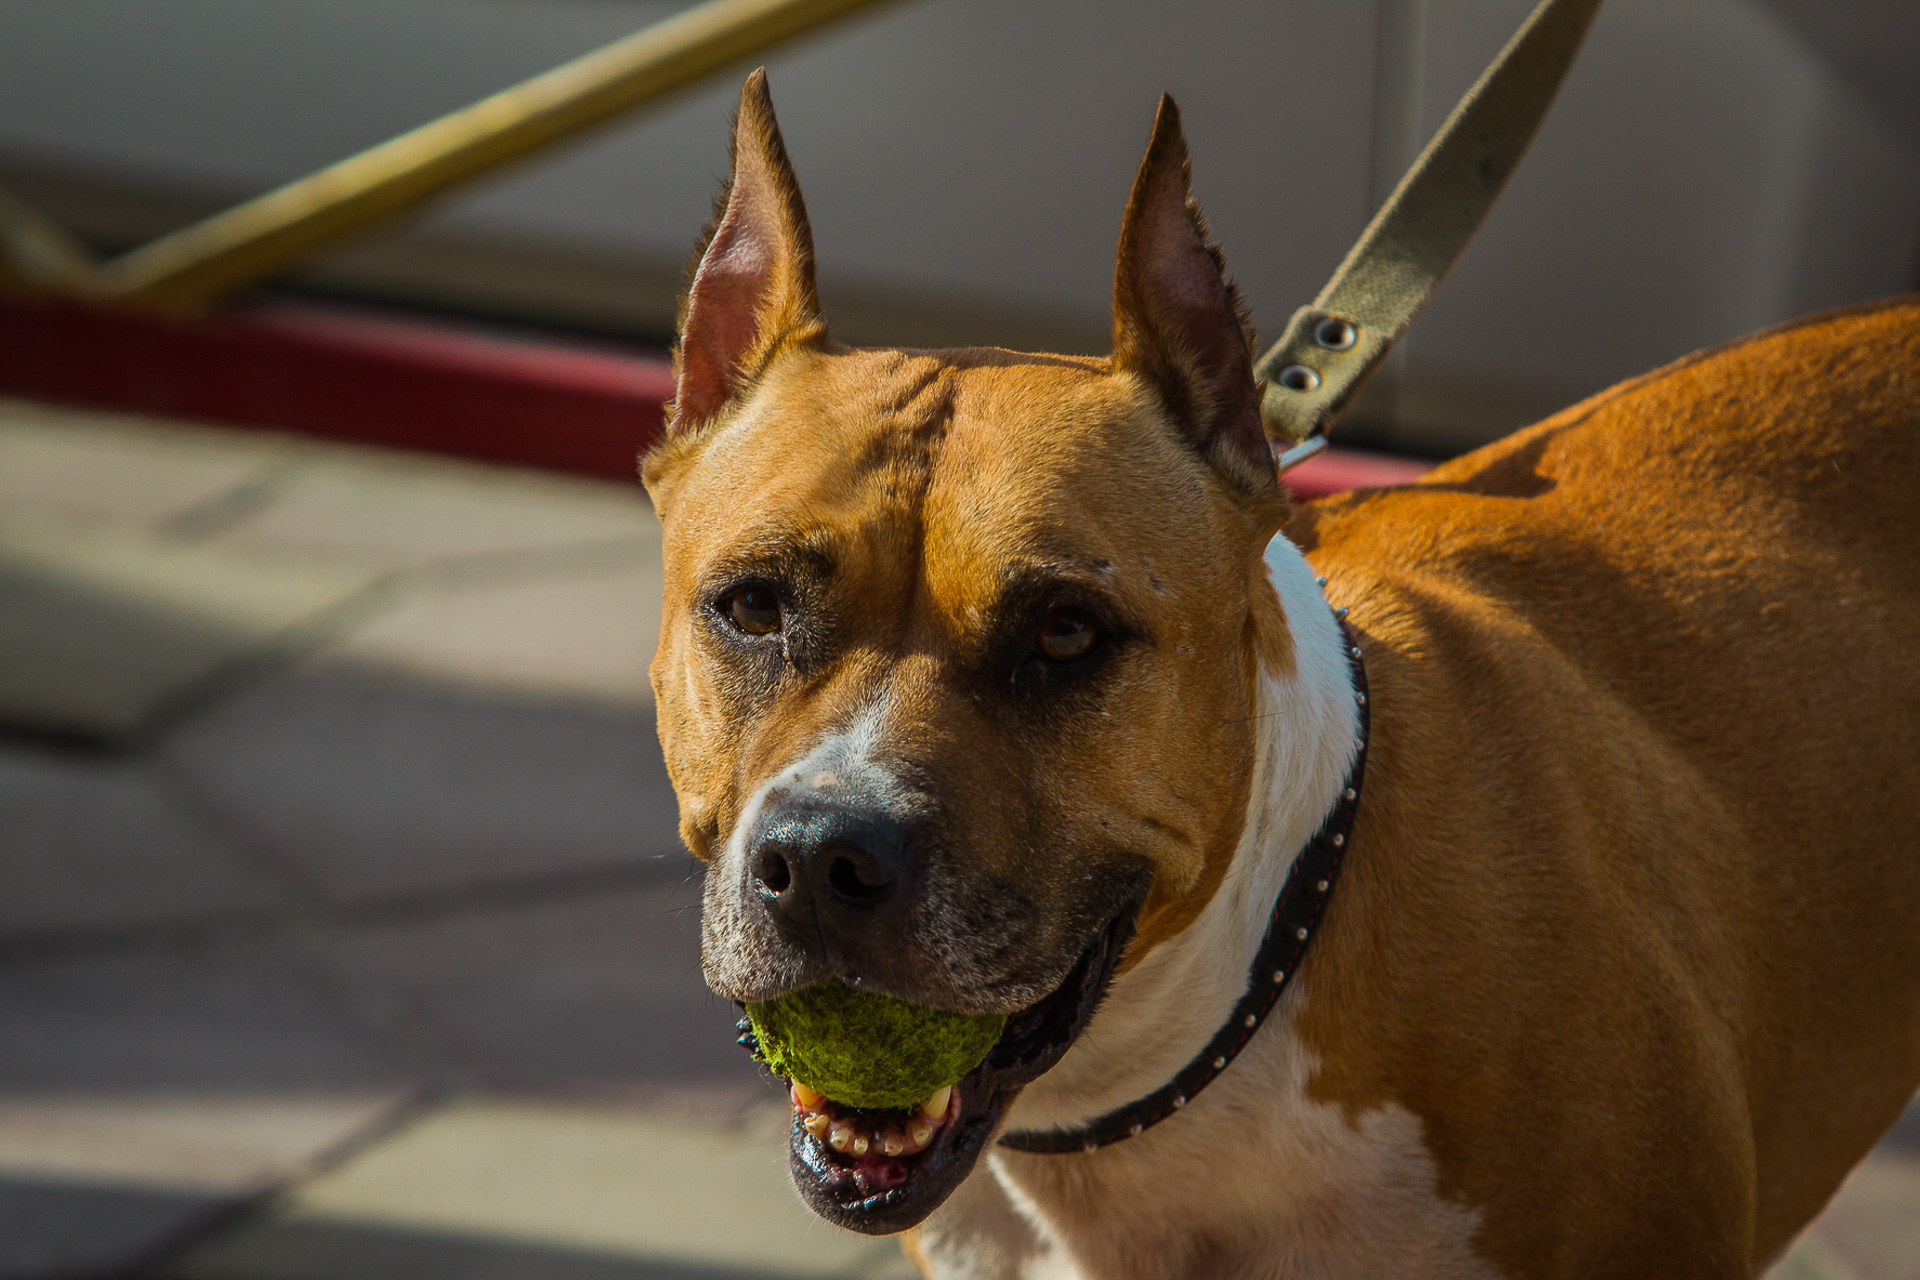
(1331,348)
(1310,375)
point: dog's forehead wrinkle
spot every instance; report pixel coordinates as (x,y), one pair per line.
(920,399)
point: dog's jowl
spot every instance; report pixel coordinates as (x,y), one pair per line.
(1011,684)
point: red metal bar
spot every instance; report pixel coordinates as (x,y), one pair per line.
(349,375)
(372,377)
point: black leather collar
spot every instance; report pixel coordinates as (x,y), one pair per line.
(1296,914)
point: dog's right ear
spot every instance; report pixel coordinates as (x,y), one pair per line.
(752,289)
(1178,322)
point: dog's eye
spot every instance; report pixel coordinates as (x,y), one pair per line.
(753,609)
(1066,634)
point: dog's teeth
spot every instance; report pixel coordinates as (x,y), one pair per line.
(860,1144)
(919,1134)
(840,1137)
(935,1106)
(805,1097)
(818,1123)
(892,1143)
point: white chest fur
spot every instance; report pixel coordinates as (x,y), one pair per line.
(1251,1179)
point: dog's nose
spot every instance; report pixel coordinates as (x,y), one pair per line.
(828,868)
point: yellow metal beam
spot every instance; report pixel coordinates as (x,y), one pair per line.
(193,268)
(38,256)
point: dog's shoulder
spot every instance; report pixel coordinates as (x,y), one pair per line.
(1807,432)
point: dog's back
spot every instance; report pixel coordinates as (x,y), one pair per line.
(1667,645)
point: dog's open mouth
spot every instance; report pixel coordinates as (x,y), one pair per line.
(881,1171)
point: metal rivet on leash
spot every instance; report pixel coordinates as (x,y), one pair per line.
(1219,1063)
(1279,975)
(1341,612)
(1319,582)
(1334,334)
(1297,377)
(1350,793)
(1300,934)
(1179,1100)
(1322,886)
(1338,840)
(1136,1130)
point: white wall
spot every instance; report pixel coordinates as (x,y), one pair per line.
(1704,175)
(975,148)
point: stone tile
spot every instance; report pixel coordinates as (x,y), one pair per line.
(369,787)
(90,1183)
(1904,1137)
(303,1249)
(122,470)
(596,996)
(93,843)
(599,1194)
(58,1230)
(203,1141)
(401,510)
(143,1091)
(1870,1231)
(191,1017)
(101,632)
(585,636)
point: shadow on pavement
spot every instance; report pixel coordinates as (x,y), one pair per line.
(51,1228)
(325,1251)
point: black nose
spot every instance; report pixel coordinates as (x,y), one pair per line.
(829,869)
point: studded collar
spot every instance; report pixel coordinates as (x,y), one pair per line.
(1296,914)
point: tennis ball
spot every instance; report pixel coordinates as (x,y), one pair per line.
(867,1050)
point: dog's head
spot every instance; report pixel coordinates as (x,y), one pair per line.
(959,646)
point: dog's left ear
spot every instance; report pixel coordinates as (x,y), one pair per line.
(1178,322)
(753,287)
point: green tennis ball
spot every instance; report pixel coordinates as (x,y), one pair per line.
(867,1050)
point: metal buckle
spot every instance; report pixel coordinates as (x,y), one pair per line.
(1285,460)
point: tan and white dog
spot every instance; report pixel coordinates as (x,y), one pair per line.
(1004,683)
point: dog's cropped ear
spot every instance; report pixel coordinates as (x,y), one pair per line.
(752,286)
(1178,322)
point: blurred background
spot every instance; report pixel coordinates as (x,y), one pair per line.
(344,928)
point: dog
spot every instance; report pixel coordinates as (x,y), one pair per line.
(1015,684)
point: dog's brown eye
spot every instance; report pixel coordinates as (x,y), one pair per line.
(755,610)
(1066,634)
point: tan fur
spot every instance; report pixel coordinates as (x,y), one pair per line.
(905,473)
(1631,917)
(1623,973)
(901,468)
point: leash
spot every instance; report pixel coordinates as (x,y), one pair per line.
(1296,913)
(1332,347)
(1307,379)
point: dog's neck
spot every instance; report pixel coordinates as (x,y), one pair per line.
(1162,1012)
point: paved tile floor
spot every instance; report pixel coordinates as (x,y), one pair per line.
(357,941)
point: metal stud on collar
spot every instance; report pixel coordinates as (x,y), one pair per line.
(1302,901)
